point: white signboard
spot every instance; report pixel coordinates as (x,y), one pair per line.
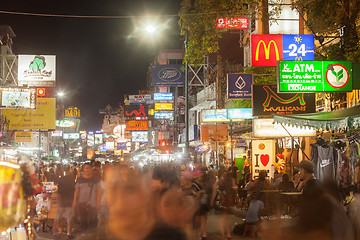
(265,127)
(137,99)
(263,156)
(56,133)
(37,70)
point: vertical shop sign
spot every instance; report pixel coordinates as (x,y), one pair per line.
(263,156)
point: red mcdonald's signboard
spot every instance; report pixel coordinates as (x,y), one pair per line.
(266,50)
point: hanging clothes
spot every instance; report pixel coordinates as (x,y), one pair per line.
(324,157)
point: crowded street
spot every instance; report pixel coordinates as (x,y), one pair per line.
(180,120)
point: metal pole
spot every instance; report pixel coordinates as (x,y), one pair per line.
(231,144)
(186,102)
(39,145)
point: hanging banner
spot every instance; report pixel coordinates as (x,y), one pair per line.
(267,102)
(22,137)
(239,85)
(314,76)
(153,137)
(33,119)
(37,70)
(263,156)
(214,132)
(168,75)
(133,111)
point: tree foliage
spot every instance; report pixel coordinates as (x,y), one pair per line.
(326,17)
(198,20)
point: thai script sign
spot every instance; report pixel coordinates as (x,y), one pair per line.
(232,23)
(266,101)
(163,115)
(267,49)
(239,85)
(163,106)
(163,96)
(37,70)
(43,117)
(137,125)
(315,76)
(168,75)
(21,137)
(71,135)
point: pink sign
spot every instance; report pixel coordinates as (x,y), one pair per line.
(232,23)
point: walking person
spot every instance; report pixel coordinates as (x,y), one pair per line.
(87,198)
(66,188)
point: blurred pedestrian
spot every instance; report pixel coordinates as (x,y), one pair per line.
(87,198)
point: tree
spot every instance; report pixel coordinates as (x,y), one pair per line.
(198,19)
(326,18)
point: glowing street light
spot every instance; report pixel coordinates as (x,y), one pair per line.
(150,28)
(61,94)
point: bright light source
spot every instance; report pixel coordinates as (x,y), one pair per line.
(150,28)
(60,94)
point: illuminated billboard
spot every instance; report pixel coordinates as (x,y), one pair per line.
(163,96)
(137,125)
(139,136)
(163,106)
(214,115)
(18,98)
(163,115)
(71,135)
(232,23)
(37,70)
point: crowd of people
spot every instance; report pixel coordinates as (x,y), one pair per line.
(119,201)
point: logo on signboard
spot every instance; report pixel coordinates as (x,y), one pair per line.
(298,47)
(169,74)
(36,68)
(337,75)
(72,112)
(240,83)
(272,95)
(266,50)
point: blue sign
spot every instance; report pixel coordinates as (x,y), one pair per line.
(168,75)
(239,85)
(163,96)
(298,47)
(163,115)
(239,113)
(121,146)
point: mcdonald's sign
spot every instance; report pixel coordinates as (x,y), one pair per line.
(266,50)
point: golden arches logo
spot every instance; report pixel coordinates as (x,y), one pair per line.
(267,50)
(298,59)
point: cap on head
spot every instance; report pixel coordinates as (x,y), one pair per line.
(307,166)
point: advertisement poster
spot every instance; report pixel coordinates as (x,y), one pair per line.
(37,70)
(314,76)
(139,136)
(139,99)
(18,98)
(41,118)
(168,75)
(239,85)
(267,102)
(263,157)
(214,115)
(214,132)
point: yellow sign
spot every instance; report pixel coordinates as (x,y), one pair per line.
(72,112)
(41,118)
(163,106)
(22,137)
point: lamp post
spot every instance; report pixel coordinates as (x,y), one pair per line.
(187,154)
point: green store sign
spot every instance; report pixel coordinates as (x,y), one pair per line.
(314,76)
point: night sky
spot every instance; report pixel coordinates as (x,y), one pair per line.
(98,60)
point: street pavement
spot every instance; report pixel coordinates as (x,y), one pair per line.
(212,226)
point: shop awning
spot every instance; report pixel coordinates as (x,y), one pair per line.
(338,119)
